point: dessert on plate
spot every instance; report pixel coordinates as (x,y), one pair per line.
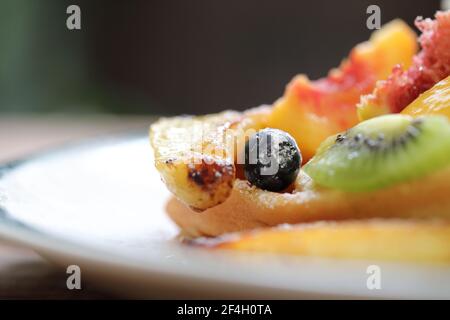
(353,165)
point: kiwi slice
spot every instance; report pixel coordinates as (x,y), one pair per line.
(381,152)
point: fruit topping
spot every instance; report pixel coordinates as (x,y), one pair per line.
(272,160)
(430,65)
(313,110)
(381,152)
(196,155)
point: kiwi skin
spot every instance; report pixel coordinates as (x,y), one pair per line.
(381,152)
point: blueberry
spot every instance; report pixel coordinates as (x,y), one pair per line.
(272,160)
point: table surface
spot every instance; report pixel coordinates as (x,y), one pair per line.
(23,273)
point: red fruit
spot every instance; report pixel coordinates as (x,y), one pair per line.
(430,65)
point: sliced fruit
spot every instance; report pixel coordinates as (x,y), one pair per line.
(430,65)
(195,155)
(434,101)
(313,110)
(383,151)
(394,240)
(207,182)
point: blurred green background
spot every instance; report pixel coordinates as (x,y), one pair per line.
(155,57)
(43,66)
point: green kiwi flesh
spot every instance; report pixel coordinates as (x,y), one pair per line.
(381,152)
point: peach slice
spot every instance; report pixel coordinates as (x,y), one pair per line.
(313,110)
(393,240)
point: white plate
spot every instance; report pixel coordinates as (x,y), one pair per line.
(100,205)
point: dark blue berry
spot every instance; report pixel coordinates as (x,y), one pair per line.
(272,160)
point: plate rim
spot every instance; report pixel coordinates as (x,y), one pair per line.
(22,234)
